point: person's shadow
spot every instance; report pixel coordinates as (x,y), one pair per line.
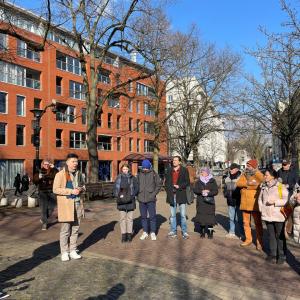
(113,294)
(40,255)
(97,235)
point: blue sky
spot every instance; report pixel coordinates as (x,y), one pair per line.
(232,23)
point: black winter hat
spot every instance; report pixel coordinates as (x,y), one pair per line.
(234,165)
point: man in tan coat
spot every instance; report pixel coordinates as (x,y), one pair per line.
(249,182)
(68,185)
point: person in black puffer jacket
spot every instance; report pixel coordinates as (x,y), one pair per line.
(125,190)
(206,188)
(233,195)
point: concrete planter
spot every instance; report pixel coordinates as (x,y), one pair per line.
(32,202)
(17,202)
(4,202)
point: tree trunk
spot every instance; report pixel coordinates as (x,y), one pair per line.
(92,125)
(196,156)
(155,159)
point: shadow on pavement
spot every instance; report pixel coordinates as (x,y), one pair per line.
(97,235)
(293,262)
(114,293)
(137,223)
(40,255)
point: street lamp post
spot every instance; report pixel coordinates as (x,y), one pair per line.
(36,126)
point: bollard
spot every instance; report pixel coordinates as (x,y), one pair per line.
(31,202)
(19,203)
(4,202)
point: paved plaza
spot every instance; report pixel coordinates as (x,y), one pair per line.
(30,266)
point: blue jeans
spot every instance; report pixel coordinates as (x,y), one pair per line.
(235,217)
(145,208)
(173,220)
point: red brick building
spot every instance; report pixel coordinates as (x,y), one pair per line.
(33,80)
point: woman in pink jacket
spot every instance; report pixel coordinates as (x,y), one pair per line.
(272,197)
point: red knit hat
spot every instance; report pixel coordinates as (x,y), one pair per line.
(253,163)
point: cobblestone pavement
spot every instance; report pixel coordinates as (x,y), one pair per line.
(30,266)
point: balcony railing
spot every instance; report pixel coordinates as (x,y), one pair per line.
(58,90)
(62,65)
(77,94)
(102,146)
(35,56)
(20,80)
(61,117)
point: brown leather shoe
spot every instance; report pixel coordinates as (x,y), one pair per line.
(246,244)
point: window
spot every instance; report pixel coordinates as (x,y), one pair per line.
(3,103)
(99,121)
(130,105)
(109,121)
(24,50)
(130,124)
(141,89)
(37,103)
(21,106)
(68,63)
(76,90)
(59,138)
(138,125)
(130,86)
(118,144)
(83,116)
(3,41)
(148,110)
(118,122)
(138,142)
(130,144)
(58,85)
(138,108)
(148,127)
(18,75)
(65,113)
(104,143)
(3,133)
(170,98)
(148,146)
(114,103)
(103,76)
(77,140)
(20,135)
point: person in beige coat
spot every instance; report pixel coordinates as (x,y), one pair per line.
(68,185)
(273,196)
(249,183)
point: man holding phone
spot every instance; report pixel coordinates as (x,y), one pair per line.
(68,185)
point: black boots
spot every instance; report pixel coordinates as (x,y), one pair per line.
(210,233)
(202,232)
(129,237)
(124,238)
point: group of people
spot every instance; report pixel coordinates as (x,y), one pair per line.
(21,184)
(250,194)
(264,197)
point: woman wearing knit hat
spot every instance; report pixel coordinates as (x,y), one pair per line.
(149,187)
(206,189)
(249,182)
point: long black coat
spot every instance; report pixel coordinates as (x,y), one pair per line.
(205,214)
(183,182)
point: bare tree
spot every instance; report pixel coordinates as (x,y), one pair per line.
(205,91)
(273,99)
(166,53)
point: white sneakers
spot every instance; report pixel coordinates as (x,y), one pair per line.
(231,236)
(65,256)
(153,236)
(73,255)
(145,236)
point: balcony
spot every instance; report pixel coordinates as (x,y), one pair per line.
(65,118)
(104,143)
